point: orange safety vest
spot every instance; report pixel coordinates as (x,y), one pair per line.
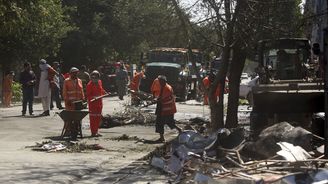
(167,101)
(72,91)
(135,83)
(155,88)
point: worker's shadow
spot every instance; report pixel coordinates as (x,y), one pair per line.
(21,116)
(67,138)
(14,116)
(146,141)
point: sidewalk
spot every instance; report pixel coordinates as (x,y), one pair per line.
(22,165)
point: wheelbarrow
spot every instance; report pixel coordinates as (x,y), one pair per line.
(72,123)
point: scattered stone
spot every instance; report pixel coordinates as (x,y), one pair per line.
(266,145)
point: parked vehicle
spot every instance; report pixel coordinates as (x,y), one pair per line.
(172,73)
(288,90)
(174,64)
(173,55)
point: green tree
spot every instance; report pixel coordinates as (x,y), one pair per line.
(30,29)
(111,30)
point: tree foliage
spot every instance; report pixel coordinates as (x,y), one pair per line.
(31,29)
(237,26)
(118,29)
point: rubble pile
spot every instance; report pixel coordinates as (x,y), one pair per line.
(62,146)
(197,124)
(130,115)
(281,154)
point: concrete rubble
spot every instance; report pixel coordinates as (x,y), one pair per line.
(282,154)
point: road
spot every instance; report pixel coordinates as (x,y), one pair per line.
(19,164)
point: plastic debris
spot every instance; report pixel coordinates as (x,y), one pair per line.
(53,147)
(292,153)
(158,162)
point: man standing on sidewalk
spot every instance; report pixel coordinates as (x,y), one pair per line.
(94,90)
(27,79)
(84,76)
(47,74)
(165,108)
(55,88)
(121,81)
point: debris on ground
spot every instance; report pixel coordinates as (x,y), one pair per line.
(266,144)
(125,137)
(192,102)
(130,115)
(68,146)
(286,157)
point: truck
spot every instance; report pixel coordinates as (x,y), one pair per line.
(289,86)
(174,64)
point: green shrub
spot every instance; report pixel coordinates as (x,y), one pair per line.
(17,92)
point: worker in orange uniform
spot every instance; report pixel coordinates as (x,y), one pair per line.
(207,83)
(165,108)
(155,88)
(72,92)
(7,88)
(72,89)
(134,85)
(95,89)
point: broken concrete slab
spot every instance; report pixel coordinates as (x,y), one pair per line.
(266,145)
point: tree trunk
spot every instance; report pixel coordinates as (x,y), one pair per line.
(217,109)
(238,62)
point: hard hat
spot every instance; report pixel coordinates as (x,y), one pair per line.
(95,73)
(73,70)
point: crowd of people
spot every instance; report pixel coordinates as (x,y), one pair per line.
(79,85)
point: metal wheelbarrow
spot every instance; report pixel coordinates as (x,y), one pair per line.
(72,123)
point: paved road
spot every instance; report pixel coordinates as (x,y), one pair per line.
(22,165)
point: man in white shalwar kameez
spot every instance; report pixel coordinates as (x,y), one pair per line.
(44,86)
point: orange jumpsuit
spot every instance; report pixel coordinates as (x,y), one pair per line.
(72,91)
(155,88)
(207,84)
(95,108)
(7,90)
(135,83)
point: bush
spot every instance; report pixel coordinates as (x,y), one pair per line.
(17,92)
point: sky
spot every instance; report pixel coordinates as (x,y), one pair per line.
(188,3)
